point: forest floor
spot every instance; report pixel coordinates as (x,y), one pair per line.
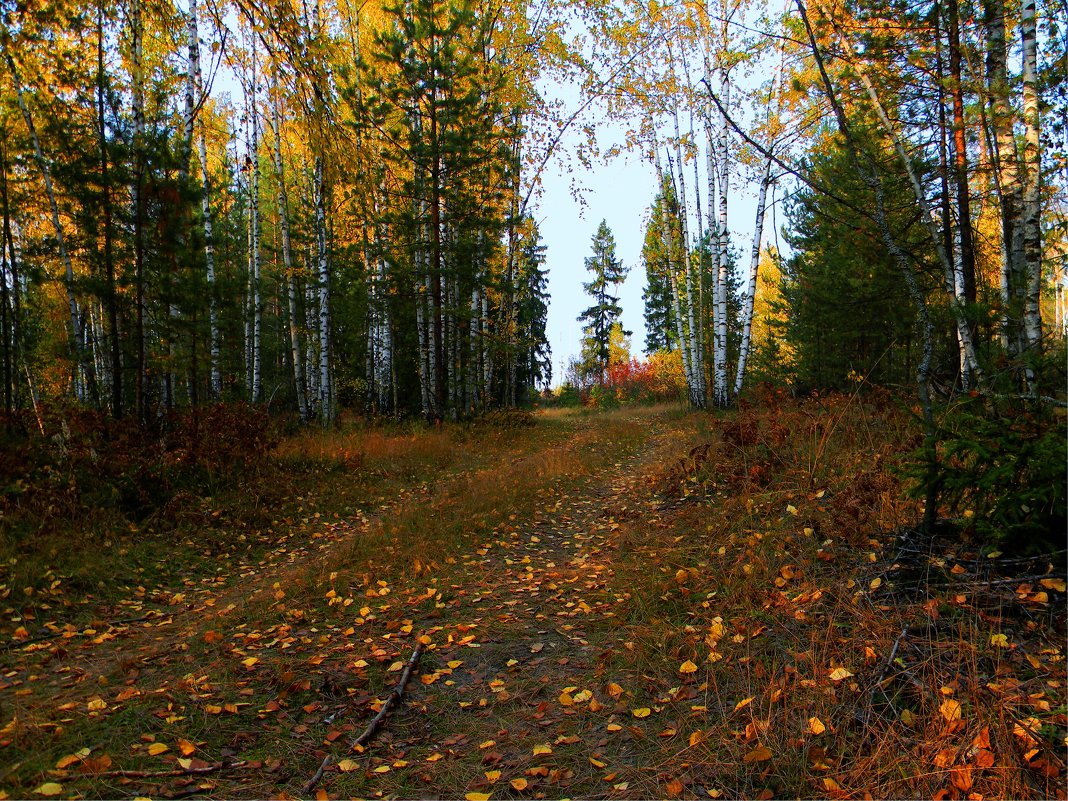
(643,603)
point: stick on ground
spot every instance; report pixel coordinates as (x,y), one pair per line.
(394,696)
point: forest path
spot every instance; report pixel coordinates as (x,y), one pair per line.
(526,695)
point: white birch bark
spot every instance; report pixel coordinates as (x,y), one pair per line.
(255,299)
(1031,233)
(326,386)
(720,394)
(300,385)
(214,340)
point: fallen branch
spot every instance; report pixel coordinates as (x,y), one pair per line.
(162,774)
(391,700)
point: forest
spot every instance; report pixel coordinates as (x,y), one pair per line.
(293,504)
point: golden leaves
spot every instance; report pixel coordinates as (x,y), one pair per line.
(950,710)
(641,712)
(759,754)
(816,726)
(687,667)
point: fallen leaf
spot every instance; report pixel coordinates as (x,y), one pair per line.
(687,667)
(984,759)
(641,712)
(744,703)
(49,788)
(519,785)
(434,757)
(157,748)
(614,727)
(395,667)
(945,758)
(696,737)
(840,673)
(565,699)
(383,769)
(186,747)
(70,759)
(621,786)
(97,705)
(1054,584)
(348,765)
(682,576)
(597,763)
(759,754)
(830,784)
(492,776)
(815,726)
(876,583)
(675,788)
(950,710)
(962,777)
(249,661)
(999,640)
(615,690)
(478,796)
(544,748)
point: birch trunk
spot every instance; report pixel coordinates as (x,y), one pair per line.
(214,340)
(754,265)
(255,299)
(326,386)
(1031,233)
(721,396)
(300,384)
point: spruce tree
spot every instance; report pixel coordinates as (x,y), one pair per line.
(608,273)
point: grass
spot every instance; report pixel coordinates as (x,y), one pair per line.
(597,552)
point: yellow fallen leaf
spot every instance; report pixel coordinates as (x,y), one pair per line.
(542,749)
(582,696)
(999,640)
(744,703)
(1054,584)
(815,726)
(97,704)
(455,663)
(348,765)
(249,661)
(615,690)
(492,776)
(186,747)
(157,748)
(682,576)
(434,757)
(830,784)
(478,796)
(49,788)
(696,737)
(519,785)
(759,754)
(876,583)
(791,508)
(950,710)
(621,786)
(687,667)
(614,727)
(641,712)
(185,764)
(565,699)
(486,744)
(597,763)
(383,769)
(395,667)
(840,673)
(70,759)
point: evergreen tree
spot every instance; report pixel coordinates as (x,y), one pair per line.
(659,316)
(608,273)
